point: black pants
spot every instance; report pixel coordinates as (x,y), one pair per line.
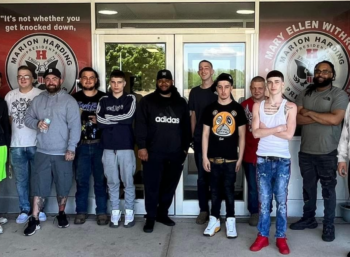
(222,183)
(202,181)
(161,175)
(321,167)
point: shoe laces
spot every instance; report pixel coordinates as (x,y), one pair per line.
(230,225)
(212,222)
(328,230)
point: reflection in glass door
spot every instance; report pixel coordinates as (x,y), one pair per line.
(140,58)
(229,56)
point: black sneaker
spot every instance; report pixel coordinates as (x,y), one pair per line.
(149,225)
(304,223)
(166,221)
(328,233)
(62,220)
(32,226)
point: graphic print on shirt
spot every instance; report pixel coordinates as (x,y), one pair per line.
(249,116)
(18,111)
(224,124)
(168,116)
(88,129)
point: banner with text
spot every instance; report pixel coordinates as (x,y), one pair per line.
(295,45)
(43,36)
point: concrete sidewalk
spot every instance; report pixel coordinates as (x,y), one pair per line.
(184,239)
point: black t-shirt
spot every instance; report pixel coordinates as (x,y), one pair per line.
(224,121)
(88,106)
(199,99)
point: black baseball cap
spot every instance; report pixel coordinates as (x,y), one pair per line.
(164,74)
(225,77)
(52,71)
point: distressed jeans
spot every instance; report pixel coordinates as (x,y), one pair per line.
(273,175)
(321,167)
(22,161)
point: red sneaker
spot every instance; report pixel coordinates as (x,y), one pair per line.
(282,245)
(260,242)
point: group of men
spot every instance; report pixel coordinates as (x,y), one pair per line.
(92,133)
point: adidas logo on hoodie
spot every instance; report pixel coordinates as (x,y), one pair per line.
(165,119)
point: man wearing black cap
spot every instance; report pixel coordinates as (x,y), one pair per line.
(223,130)
(55,116)
(162,132)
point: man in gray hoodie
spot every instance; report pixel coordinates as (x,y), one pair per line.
(55,115)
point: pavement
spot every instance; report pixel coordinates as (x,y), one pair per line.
(183,240)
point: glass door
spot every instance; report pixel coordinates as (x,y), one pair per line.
(140,57)
(230,54)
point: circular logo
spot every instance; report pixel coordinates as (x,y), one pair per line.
(41,52)
(297,58)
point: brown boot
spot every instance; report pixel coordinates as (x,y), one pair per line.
(202,218)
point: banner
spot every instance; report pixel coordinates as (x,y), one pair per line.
(58,36)
(294,46)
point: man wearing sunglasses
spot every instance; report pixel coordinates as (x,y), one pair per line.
(23,140)
(321,109)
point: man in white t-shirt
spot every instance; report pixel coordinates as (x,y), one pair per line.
(23,140)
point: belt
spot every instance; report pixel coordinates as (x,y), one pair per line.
(89,142)
(218,160)
(271,158)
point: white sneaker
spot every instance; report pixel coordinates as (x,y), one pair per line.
(1,230)
(213,226)
(42,216)
(231,231)
(3,220)
(115,218)
(22,218)
(129,218)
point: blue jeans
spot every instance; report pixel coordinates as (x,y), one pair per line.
(253,199)
(88,161)
(321,167)
(273,175)
(22,161)
(222,183)
(202,181)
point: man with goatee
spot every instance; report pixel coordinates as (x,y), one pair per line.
(321,109)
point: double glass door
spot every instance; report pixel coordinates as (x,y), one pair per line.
(141,56)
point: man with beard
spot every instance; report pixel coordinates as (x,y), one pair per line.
(55,116)
(321,109)
(200,97)
(162,133)
(88,158)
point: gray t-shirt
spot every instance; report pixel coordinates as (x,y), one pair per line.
(317,138)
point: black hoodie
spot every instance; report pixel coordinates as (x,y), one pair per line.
(163,123)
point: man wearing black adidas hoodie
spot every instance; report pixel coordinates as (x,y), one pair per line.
(162,134)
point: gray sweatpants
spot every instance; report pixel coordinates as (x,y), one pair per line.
(123,161)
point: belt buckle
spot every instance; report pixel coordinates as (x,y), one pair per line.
(219,160)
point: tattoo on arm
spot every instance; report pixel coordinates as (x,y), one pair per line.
(286,109)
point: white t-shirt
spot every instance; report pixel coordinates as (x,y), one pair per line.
(18,104)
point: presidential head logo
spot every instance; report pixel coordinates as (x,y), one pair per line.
(297,58)
(41,52)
